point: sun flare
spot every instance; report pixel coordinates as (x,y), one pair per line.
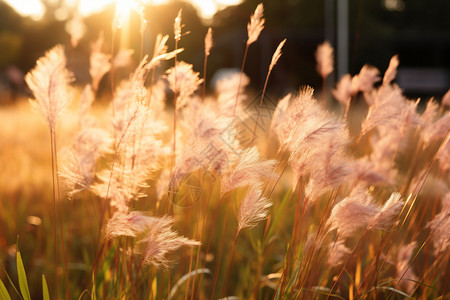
(31,8)
(36,10)
(123,10)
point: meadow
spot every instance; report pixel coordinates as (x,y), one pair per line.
(170,189)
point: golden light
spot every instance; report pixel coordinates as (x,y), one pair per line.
(122,18)
(87,7)
(207,8)
(29,8)
(123,10)
(36,10)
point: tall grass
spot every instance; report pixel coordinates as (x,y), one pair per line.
(313,206)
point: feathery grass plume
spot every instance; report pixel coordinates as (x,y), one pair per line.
(137,158)
(254,28)
(256,24)
(280,114)
(253,208)
(118,188)
(157,98)
(183,81)
(305,129)
(366,78)
(138,145)
(300,108)
(208,46)
(391,111)
(440,227)
(385,146)
(332,167)
(123,58)
(410,116)
(312,128)
(162,185)
(387,216)
(325,59)
(276,55)
(226,90)
(336,253)
(76,29)
(160,51)
(248,169)
(407,280)
(312,243)
(100,62)
(343,90)
(127,102)
(126,110)
(78,169)
(177,26)
(444,157)
(160,45)
(364,170)
(437,130)
(208,42)
(129,224)
(206,148)
(49,82)
(203,121)
(194,156)
(160,240)
(86,100)
(332,170)
(156,60)
(430,114)
(211,154)
(445,201)
(352,213)
(446,99)
(387,143)
(391,71)
(380,164)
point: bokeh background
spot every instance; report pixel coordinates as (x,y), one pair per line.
(362,32)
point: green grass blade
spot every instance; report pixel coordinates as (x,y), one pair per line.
(93,293)
(45,294)
(22,278)
(3,292)
(277,295)
(11,282)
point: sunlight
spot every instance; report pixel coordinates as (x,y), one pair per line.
(36,10)
(29,8)
(207,8)
(123,10)
(87,7)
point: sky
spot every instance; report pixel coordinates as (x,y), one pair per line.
(35,9)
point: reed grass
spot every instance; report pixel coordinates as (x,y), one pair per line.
(172,203)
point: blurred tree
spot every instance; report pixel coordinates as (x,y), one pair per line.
(11,39)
